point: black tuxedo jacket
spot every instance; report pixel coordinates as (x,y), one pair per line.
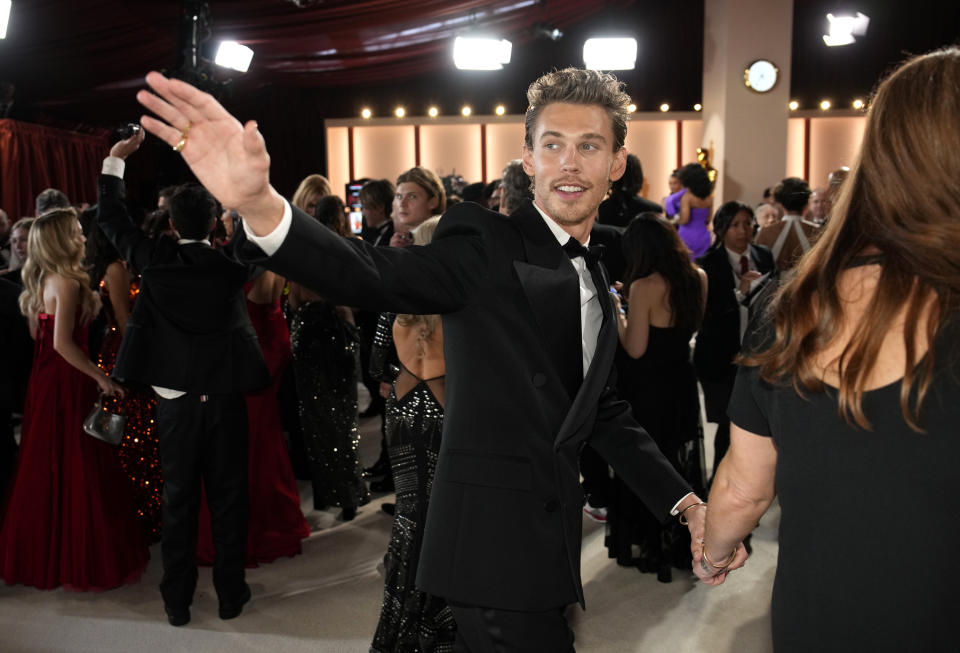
(718,341)
(504,525)
(189,329)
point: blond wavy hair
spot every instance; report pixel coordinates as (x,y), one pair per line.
(53,248)
(311,189)
(427,325)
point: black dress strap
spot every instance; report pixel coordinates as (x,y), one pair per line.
(866,259)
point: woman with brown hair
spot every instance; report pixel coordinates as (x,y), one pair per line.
(666,296)
(847,404)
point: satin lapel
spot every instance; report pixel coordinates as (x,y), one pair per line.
(552,288)
(599,371)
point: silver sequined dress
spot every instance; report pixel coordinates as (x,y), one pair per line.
(410,620)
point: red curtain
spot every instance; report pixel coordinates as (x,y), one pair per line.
(35,157)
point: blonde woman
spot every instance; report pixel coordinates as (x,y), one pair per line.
(411,619)
(69,520)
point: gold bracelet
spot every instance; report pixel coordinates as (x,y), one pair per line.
(681,518)
(726,563)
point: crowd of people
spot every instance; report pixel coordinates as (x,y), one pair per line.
(534,356)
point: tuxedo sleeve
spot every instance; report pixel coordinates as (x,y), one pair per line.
(436,278)
(114,220)
(634,455)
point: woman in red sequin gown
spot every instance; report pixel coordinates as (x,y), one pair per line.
(69,520)
(276,524)
(139,449)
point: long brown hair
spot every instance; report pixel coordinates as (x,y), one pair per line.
(902,199)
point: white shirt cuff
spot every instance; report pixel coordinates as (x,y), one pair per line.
(674,511)
(272,241)
(114,166)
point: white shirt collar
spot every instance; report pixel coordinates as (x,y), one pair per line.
(557,231)
(189,241)
(735,258)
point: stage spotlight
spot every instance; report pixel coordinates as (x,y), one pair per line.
(399,112)
(5,6)
(234,55)
(825,104)
(366,113)
(844,28)
(794,105)
(466,111)
(610,53)
(433,112)
(471,53)
(664,107)
(500,110)
(697,107)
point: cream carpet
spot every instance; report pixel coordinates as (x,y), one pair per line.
(327,600)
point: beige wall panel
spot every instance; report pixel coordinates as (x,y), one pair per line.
(446,149)
(655,143)
(338,159)
(794,149)
(834,142)
(383,152)
(504,143)
(692,139)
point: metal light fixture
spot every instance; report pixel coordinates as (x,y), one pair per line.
(233,55)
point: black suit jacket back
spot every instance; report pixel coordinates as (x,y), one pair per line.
(504,525)
(718,341)
(189,329)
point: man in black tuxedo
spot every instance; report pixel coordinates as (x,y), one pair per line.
(529,339)
(189,337)
(737,273)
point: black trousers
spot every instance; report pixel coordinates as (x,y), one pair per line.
(490,630)
(203,439)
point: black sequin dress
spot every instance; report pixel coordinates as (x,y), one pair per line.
(411,620)
(326,364)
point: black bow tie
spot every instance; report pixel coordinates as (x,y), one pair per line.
(590,254)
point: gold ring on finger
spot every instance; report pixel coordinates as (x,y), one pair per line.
(186,129)
(181,144)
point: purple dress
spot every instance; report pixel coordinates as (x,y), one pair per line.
(694,234)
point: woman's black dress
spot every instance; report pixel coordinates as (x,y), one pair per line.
(868,531)
(411,620)
(662,389)
(326,365)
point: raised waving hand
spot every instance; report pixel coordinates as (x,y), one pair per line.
(228,158)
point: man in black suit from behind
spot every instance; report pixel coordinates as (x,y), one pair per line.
(190,338)
(529,339)
(737,273)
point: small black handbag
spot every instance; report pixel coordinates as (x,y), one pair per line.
(104,425)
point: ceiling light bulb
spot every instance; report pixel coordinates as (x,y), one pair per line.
(400,112)
(824,105)
(632,108)
(664,107)
(794,105)
(697,107)
(366,113)
(858,104)
(500,110)
(466,111)
(433,112)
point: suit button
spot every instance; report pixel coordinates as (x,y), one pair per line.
(539,379)
(551,505)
